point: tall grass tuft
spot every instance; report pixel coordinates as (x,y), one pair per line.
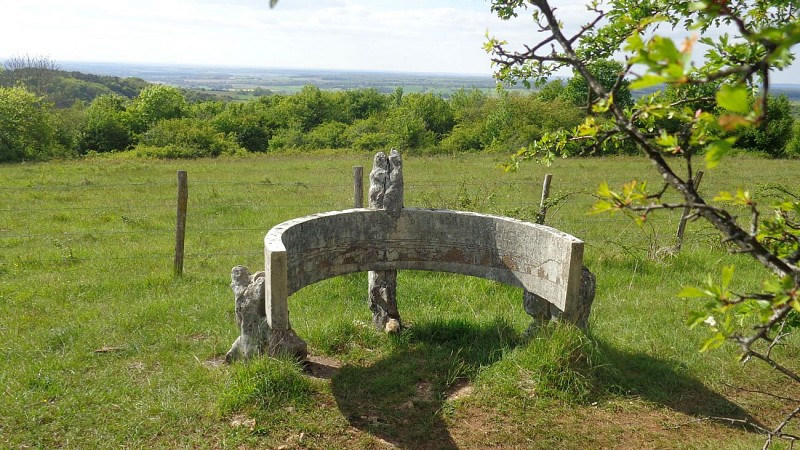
(345,337)
(267,384)
(559,362)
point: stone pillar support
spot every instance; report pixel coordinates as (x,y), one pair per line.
(261,331)
(543,311)
(385,192)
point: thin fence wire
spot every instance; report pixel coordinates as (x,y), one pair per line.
(519,197)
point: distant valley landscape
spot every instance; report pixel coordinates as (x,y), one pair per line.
(285,81)
(246,82)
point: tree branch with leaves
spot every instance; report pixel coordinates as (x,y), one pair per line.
(755,39)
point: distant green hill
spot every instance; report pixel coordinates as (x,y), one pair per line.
(64,88)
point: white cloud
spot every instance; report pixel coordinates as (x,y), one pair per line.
(412,35)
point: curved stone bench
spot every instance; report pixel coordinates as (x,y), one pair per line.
(545,262)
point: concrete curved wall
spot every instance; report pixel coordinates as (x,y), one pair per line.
(537,258)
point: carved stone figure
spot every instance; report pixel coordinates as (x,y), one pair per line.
(385,192)
(377,180)
(393,197)
(248,293)
(255,336)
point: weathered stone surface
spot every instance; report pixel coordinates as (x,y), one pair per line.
(248,293)
(378,178)
(256,336)
(383,299)
(534,257)
(546,263)
(393,198)
(542,311)
(287,342)
(386,193)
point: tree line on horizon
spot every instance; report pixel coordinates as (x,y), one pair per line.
(48,113)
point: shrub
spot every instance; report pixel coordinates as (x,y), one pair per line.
(363,103)
(516,121)
(305,109)
(252,123)
(155,103)
(606,73)
(68,124)
(287,139)
(434,112)
(464,137)
(368,134)
(772,136)
(27,131)
(793,147)
(107,125)
(407,130)
(327,135)
(185,138)
(371,142)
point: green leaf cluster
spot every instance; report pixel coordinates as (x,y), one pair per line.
(705,105)
(27,128)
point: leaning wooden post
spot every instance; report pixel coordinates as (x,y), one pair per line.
(385,192)
(685,215)
(180,226)
(543,203)
(358,187)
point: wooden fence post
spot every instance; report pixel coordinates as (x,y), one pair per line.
(543,203)
(685,215)
(358,187)
(180,227)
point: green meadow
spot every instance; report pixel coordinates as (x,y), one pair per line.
(102,346)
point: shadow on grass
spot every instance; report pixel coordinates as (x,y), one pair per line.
(400,398)
(666,383)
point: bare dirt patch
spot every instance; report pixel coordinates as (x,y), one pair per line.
(459,390)
(323,367)
(214,362)
(611,426)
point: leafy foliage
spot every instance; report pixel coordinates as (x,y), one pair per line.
(606,72)
(26,129)
(793,147)
(773,134)
(156,102)
(107,125)
(186,138)
(252,124)
(686,121)
(103,114)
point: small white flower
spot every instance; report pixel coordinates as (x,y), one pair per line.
(710,321)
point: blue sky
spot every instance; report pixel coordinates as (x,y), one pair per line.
(443,36)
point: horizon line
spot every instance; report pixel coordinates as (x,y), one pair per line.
(267,68)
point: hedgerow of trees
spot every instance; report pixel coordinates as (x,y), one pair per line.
(52,113)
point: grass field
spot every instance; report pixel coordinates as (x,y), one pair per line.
(101,346)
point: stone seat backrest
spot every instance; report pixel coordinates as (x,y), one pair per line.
(534,257)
